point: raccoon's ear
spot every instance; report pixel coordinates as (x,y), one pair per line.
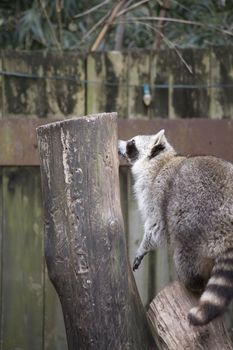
(159,137)
(157,144)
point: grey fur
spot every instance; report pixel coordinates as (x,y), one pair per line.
(187,202)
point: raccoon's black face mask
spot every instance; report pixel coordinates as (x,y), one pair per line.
(146,146)
(132,151)
(128,150)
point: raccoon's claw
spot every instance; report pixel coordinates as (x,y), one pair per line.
(137,262)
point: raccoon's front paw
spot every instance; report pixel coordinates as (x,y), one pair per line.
(137,262)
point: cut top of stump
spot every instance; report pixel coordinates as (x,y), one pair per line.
(92,118)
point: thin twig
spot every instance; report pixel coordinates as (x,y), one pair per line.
(182,21)
(176,50)
(96,25)
(132,7)
(94,8)
(129,2)
(59,20)
(50,25)
(169,43)
(119,36)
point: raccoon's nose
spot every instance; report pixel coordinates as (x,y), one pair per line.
(122,148)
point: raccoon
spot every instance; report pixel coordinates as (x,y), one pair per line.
(186,201)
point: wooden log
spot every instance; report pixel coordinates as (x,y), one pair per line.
(168,315)
(85,246)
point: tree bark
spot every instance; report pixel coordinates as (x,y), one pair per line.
(85,247)
(168,314)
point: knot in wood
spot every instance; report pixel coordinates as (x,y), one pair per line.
(79,175)
(113,225)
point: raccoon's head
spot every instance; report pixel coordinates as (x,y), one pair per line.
(144,146)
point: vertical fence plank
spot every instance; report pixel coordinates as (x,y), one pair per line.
(165,272)
(221,73)
(135,234)
(107,79)
(123,176)
(60,91)
(54,328)
(190,102)
(22,290)
(1,89)
(1,252)
(96,89)
(23,95)
(216,108)
(159,67)
(116,63)
(139,74)
(65,86)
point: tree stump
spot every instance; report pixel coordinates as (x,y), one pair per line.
(168,314)
(85,246)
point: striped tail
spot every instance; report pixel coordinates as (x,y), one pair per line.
(218,292)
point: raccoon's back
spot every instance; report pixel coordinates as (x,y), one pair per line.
(200,195)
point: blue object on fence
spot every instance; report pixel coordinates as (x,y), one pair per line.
(146,95)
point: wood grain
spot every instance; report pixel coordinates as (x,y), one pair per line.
(85,247)
(168,314)
(22,261)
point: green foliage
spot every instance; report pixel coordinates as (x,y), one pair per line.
(211,14)
(73,24)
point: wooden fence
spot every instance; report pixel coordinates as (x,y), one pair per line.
(56,85)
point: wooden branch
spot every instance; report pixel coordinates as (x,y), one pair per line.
(109,21)
(119,37)
(162,14)
(85,246)
(168,314)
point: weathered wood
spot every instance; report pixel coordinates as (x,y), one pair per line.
(123,177)
(221,73)
(159,74)
(164,269)
(96,88)
(2,110)
(1,248)
(65,96)
(107,76)
(56,88)
(117,71)
(22,260)
(190,136)
(135,234)
(54,335)
(84,241)
(23,95)
(168,314)
(139,74)
(84,85)
(194,100)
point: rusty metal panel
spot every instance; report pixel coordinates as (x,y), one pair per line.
(18,144)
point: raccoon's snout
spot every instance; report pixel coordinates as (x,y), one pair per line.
(122,148)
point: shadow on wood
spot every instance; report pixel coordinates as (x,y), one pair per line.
(85,246)
(168,314)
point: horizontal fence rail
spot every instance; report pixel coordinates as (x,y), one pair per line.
(18,142)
